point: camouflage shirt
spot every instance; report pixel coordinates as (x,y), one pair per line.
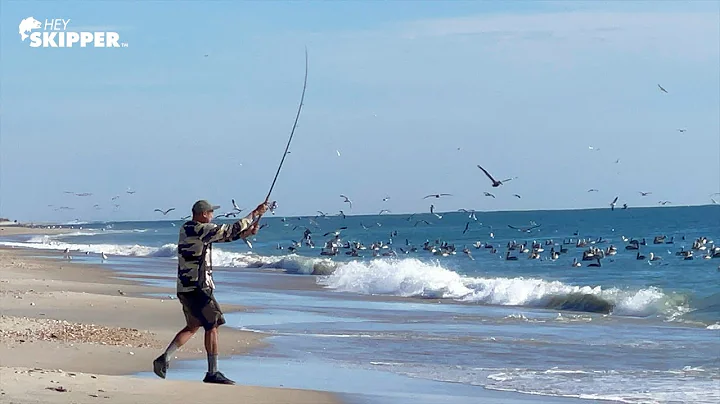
(195,251)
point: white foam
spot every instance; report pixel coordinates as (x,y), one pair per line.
(221,258)
(411,277)
(688,385)
(715,326)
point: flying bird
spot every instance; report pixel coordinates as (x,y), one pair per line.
(517,196)
(612,204)
(489,194)
(235,207)
(467,227)
(593,190)
(645,193)
(164,212)
(682,130)
(383,211)
(347,200)
(385,199)
(436,195)
(432,211)
(495,183)
(335,232)
(524,229)
(662,89)
(422,221)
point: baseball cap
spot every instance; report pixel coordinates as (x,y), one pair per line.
(203,206)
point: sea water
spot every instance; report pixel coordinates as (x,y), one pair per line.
(632,330)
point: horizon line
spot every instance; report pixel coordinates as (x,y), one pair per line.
(70,223)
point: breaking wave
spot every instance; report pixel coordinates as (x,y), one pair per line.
(414,278)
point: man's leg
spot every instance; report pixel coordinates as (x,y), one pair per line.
(213,318)
(160,364)
(211,347)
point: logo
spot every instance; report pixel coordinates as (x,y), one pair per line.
(54,33)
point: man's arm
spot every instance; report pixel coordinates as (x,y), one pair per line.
(213,233)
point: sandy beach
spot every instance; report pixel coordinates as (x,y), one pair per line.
(73,333)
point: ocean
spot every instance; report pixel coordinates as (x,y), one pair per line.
(426,325)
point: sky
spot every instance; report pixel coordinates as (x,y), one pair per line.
(412,94)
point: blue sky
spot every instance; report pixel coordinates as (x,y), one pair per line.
(523,88)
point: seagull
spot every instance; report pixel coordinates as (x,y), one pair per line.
(130,192)
(517,196)
(342,214)
(645,193)
(422,221)
(467,227)
(495,183)
(682,130)
(115,197)
(383,211)
(489,194)
(593,148)
(104,257)
(662,89)
(235,207)
(432,210)
(714,201)
(84,194)
(617,161)
(664,202)
(164,212)
(185,217)
(593,190)
(336,232)
(347,200)
(612,204)
(322,214)
(436,195)
(338,152)
(385,199)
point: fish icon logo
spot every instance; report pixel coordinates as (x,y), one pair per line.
(27,25)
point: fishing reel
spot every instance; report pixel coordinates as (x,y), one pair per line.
(272,207)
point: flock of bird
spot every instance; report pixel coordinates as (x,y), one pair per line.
(494,183)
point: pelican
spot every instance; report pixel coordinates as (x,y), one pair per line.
(495,183)
(436,195)
(164,212)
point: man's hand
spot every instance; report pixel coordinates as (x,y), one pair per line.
(261,209)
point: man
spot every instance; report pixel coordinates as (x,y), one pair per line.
(195,285)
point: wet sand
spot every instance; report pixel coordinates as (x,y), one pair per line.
(73,332)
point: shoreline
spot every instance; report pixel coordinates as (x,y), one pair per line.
(80,318)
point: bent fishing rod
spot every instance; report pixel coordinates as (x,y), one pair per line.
(287,147)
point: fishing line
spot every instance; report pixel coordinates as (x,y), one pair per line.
(287,147)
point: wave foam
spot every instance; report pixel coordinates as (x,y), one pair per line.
(413,278)
(289,263)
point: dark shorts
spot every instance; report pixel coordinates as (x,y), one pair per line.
(201,309)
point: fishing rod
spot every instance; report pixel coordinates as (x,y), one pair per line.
(287,147)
